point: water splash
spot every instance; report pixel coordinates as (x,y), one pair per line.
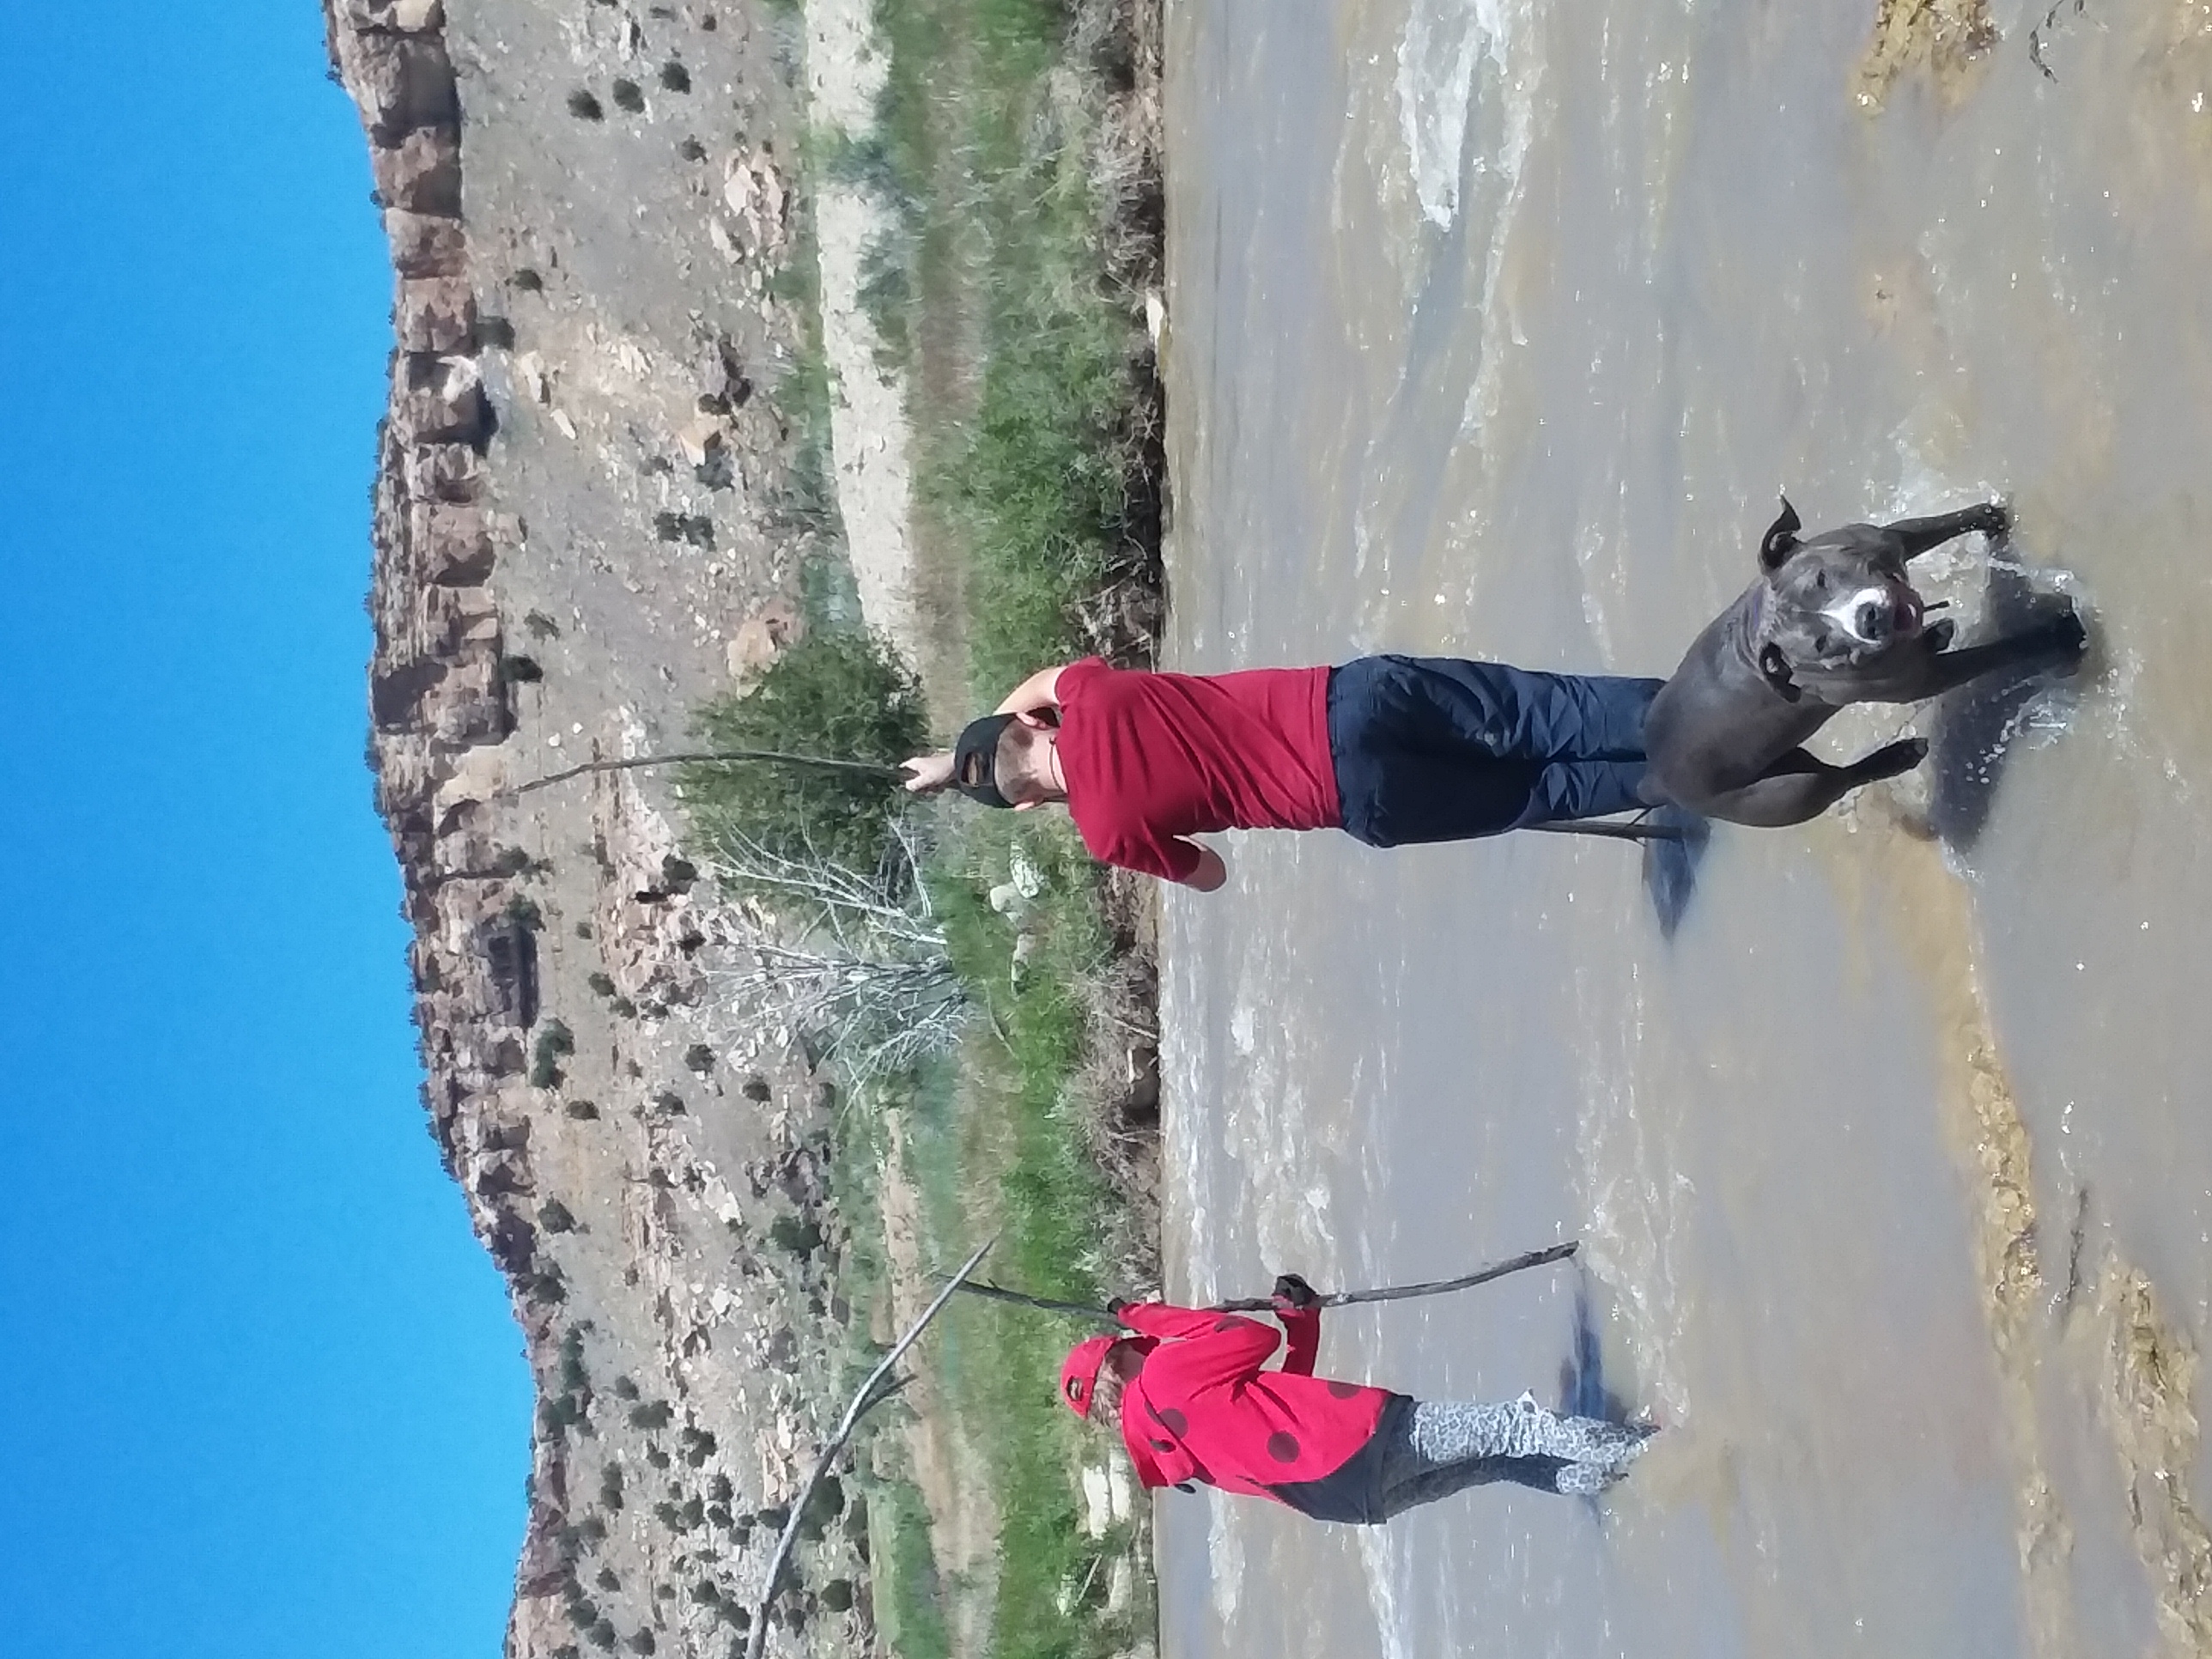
(1439,70)
(1635,1196)
(1388,1569)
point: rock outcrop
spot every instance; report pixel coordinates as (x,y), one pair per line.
(436,686)
(574,1063)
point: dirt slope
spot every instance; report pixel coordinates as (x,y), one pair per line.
(580,529)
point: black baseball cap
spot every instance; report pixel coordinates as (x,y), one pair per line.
(975,759)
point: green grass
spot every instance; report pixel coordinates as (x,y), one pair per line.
(838,695)
(1014,1133)
(1021,355)
(806,504)
(996,283)
(1055,1203)
(909,1594)
(996,290)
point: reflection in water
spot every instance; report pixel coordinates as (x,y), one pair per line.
(1670,867)
(1584,1390)
(1975,726)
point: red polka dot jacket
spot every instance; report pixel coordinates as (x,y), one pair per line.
(1203,1409)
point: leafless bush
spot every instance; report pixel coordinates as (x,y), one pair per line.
(864,971)
(1120,39)
(1115,1102)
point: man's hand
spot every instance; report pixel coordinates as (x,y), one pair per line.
(1040,690)
(927,773)
(1291,1290)
(1210,874)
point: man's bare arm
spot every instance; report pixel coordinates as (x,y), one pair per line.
(1210,874)
(927,773)
(1040,690)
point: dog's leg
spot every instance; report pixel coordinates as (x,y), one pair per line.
(2056,642)
(1920,536)
(1801,786)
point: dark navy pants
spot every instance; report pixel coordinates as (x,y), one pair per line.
(1441,749)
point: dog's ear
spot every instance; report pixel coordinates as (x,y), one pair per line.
(1781,538)
(1774,668)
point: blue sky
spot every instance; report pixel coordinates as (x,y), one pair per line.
(262,1391)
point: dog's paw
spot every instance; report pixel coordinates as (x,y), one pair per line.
(1891,760)
(1993,519)
(2066,639)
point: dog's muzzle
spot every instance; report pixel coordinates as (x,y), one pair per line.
(1879,616)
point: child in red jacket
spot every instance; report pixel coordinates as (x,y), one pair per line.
(1194,1405)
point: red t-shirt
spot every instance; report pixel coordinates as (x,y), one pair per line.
(1151,758)
(1203,1409)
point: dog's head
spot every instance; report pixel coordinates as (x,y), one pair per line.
(1834,605)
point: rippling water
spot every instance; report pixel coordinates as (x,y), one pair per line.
(1496,329)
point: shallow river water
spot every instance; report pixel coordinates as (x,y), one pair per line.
(1496,329)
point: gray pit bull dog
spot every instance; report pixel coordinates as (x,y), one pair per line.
(1830,621)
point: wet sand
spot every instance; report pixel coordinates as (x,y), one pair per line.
(1497,332)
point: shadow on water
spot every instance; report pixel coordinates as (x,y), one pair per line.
(1583,1388)
(1975,726)
(1670,867)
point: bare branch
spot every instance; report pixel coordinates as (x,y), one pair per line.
(865,1398)
(869,969)
(710,757)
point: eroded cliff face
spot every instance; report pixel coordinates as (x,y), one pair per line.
(577,537)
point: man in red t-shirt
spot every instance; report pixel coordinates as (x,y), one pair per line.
(1193,1402)
(1391,749)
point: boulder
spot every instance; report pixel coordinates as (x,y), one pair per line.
(410,832)
(404,82)
(459,818)
(542,1569)
(512,970)
(451,543)
(396,694)
(512,1241)
(452,409)
(436,314)
(426,244)
(500,1175)
(469,707)
(422,174)
(464,854)
(507,1134)
(450,618)
(763,637)
(442,472)
(395,16)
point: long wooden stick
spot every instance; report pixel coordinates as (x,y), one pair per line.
(707,756)
(1263,1304)
(871,770)
(1044,1304)
(1433,1287)
(864,1399)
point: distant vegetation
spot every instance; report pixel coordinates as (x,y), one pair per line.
(835,694)
(555,1042)
(1010,288)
